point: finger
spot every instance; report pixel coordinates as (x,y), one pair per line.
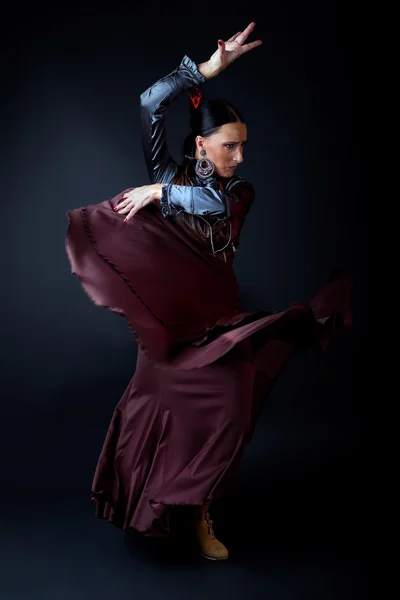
(126,194)
(125,199)
(131,213)
(124,206)
(243,36)
(250,46)
(221,47)
(126,209)
(233,38)
(120,205)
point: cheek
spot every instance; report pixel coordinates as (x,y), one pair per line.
(221,155)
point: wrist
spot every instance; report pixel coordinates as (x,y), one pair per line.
(157,187)
(207,70)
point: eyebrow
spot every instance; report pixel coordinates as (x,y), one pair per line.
(235,142)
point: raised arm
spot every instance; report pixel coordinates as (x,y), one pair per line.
(160,165)
(207,199)
(153,102)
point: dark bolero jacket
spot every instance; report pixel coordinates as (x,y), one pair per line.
(203,199)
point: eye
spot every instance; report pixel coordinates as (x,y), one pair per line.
(229,146)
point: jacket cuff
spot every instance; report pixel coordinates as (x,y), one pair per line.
(167,209)
(191,65)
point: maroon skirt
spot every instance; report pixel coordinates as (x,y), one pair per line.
(204,366)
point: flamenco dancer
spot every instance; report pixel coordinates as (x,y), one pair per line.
(161,255)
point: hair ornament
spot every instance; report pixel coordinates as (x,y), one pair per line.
(195,95)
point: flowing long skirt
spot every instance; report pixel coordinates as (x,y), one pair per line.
(204,367)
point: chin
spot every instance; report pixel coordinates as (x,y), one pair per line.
(225,173)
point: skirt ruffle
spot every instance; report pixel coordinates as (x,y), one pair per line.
(205,366)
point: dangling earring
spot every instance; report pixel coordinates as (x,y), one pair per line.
(204,167)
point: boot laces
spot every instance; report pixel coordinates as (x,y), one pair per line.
(210,526)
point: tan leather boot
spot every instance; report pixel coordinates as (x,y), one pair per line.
(210,546)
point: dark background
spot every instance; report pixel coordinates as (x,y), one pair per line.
(70,136)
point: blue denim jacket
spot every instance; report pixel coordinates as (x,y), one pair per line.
(203,197)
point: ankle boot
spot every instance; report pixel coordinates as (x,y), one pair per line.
(210,547)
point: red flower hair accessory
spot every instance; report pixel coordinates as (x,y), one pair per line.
(195,95)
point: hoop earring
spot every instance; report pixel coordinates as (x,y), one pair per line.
(204,167)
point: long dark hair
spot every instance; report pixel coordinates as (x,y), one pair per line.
(206,117)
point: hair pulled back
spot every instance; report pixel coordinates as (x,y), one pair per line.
(206,117)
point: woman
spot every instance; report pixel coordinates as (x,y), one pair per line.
(161,255)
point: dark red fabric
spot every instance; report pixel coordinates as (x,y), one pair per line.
(204,367)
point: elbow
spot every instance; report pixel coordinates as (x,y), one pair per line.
(148,101)
(150,98)
(144,99)
(222,206)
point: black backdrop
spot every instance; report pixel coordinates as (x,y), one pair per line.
(70,136)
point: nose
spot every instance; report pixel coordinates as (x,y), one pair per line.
(239,155)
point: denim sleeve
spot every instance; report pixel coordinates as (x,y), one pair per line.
(207,200)
(160,165)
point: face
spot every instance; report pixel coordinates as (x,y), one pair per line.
(224,148)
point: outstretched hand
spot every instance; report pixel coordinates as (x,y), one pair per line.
(230,50)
